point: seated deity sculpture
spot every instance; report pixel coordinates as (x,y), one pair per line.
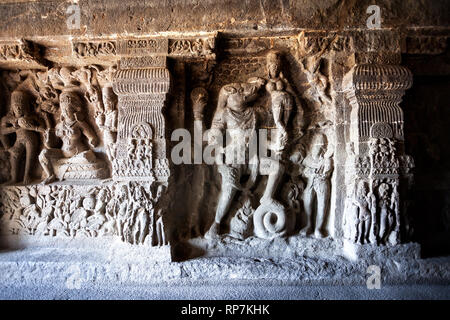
(75,160)
(26,128)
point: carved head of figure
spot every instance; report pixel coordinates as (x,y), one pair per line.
(318,145)
(102,195)
(139,193)
(160,191)
(273,64)
(19,103)
(236,95)
(70,103)
(122,192)
(89,203)
(363,189)
(383,190)
(109,99)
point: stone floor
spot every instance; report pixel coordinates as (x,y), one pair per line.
(91,273)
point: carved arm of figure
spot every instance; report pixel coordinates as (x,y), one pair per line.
(326,169)
(89,133)
(9,124)
(291,91)
(215,134)
(29,123)
(199,97)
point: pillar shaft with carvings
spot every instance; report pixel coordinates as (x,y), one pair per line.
(142,84)
(377,163)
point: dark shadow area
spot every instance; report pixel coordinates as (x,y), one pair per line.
(183,251)
(427,140)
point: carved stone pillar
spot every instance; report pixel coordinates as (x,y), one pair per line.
(377,161)
(142,84)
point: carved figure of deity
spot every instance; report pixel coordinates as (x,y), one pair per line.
(26,128)
(70,130)
(388,208)
(235,115)
(107,121)
(142,209)
(316,196)
(282,97)
(364,203)
(121,210)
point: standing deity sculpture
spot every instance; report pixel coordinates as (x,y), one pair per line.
(239,119)
(75,159)
(361,218)
(26,127)
(389,214)
(282,103)
(107,121)
(282,98)
(316,196)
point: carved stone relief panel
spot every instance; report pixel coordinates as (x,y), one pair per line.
(88,149)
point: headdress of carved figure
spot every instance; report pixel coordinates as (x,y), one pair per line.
(109,98)
(70,103)
(273,63)
(19,103)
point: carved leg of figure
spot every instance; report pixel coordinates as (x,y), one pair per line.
(14,159)
(273,181)
(322,194)
(360,233)
(4,141)
(30,154)
(394,238)
(160,232)
(308,202)
(367,224)
(46,164)
(143,226)
(119,229)
(197,192)
(354,225)
(226,196)
(383,225)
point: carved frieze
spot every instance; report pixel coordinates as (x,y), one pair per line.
(83,49)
